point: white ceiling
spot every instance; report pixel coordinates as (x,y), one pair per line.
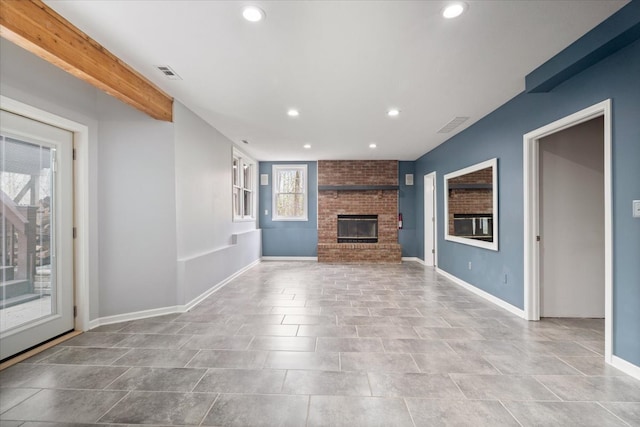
(341,63)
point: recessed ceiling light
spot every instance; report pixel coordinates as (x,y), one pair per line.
(253,14)
(307,146)
(372,145)
(293,113)
(454,10)
(394,112)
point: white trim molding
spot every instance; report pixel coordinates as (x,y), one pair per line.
(155,312)
(433,176)
(289,258)
(626,367)
(81,199)
(531,213)
(493,299)
(414,259)
(493,244)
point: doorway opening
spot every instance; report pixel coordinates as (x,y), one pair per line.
(567,218)
(571,221)
(430,221)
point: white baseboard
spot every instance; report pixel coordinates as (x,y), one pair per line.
(197,300)
(155,312)
(289,258)
(414,259)
(136,315)
(497,301)
(626,367)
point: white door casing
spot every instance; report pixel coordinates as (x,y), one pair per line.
(531,213)
(31,138)
(430,220)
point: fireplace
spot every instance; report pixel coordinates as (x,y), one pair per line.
(357,228)
(474,226)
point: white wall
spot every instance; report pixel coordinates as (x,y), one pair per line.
(209,249)
(203,186)
(572,222)
(161,231)
(30,80)
(137,210)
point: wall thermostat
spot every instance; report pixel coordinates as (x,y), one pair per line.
(636,208)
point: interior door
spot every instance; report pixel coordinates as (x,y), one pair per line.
(430,219)
(36,221)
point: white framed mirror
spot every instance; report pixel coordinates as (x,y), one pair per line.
(471,205)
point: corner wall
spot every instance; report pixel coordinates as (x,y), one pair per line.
(210,246)
(407,207)
(289,238)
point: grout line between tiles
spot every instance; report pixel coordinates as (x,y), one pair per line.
(406,405)
(117,378)
(209,410)
(190,360)
(510,413)
(612,413)
(113,406)
(535,377)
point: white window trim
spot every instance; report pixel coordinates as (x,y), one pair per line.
(244,160)
(274,182)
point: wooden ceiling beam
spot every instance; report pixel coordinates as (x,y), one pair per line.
(36,27)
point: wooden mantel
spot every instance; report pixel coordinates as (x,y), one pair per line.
(36,27)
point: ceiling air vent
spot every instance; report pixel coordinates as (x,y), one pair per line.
(168,72)
(454,123)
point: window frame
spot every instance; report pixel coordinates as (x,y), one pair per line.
(240,186)
(274,193)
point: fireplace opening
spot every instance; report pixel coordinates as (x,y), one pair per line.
(474,226)
(357,228)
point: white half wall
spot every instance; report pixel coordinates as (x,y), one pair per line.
(211,246)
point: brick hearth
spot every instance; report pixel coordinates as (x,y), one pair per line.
(334,202)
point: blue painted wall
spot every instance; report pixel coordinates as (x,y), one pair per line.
(500,135)
(407,206)
(289,238)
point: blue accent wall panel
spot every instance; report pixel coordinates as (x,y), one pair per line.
(407,206)
(289,238)
(500,134)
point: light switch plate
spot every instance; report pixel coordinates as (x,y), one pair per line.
(636,208)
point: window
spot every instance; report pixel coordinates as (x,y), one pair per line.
(289,193)
(243,187)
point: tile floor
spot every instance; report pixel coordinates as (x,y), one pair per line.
(297,343)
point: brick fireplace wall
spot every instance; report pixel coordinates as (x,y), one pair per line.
(383,203)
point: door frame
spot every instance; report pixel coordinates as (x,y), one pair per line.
(80,132)
(434,223)
(531,213)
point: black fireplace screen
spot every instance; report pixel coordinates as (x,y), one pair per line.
(357,228)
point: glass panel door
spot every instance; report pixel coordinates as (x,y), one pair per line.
(36,220)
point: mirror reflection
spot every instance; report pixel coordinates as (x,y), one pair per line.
(471,205)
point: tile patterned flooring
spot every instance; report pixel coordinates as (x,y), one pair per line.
(307,344)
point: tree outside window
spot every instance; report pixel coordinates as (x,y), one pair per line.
(290,193)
